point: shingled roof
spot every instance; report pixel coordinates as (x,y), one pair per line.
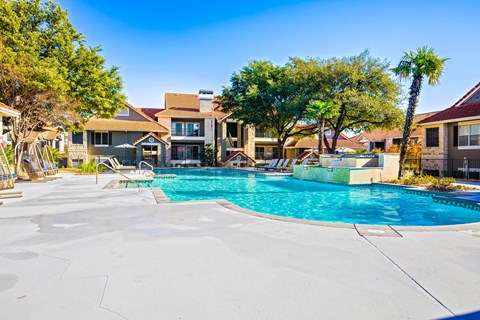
(462,109)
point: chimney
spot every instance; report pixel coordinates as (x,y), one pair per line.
(206,100)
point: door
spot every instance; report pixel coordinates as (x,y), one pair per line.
(150,155)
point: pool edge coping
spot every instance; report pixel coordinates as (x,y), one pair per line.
(161,198)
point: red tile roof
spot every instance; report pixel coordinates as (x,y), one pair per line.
(452,113)
(310,142)
(459,110)
(150,112)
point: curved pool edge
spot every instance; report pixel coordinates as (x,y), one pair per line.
(454,227)
(161,198)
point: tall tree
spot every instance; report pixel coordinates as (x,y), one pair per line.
(364,91)
(268,96)
(417,65)
(47,71)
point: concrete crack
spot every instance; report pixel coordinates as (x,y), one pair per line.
(101,301)
(410,277)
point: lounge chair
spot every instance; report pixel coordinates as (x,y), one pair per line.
(117,166)
(272,164)
(281,166)
(290,168)
(305,161)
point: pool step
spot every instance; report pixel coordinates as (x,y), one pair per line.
(164,176)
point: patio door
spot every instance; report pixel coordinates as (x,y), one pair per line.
(150,154)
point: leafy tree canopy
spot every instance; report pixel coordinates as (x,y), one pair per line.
(363,90)
(360,88)
(48,72)
(268,96)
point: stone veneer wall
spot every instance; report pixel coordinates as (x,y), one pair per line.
(249,141)
(435,158)
(77,151)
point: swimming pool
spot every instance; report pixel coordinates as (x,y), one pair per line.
(289,197)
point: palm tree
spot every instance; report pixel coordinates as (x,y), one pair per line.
(417,65)
(319,112)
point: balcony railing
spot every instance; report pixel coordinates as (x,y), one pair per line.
(188,132)
(263,134)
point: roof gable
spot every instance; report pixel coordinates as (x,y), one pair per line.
(135,121)
(234,157)
(152,138)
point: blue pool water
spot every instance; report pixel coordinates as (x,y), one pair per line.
(289,197)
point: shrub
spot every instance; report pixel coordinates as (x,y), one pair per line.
(429,182)
(209,156)
(90,167)
(361,151)
(9,153)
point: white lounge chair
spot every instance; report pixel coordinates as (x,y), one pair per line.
(272,164)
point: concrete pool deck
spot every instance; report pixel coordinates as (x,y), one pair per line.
(70,249)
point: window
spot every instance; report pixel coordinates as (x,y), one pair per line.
(192,153)
(77,138)
(178,152)
(123,113)
(397,141)
(271,153)
(177,128)
(232,130)
(469,135)
(190,129)
(101,139)
(263,133)
(432,137)
(193,129)
(186,152)
(259,153)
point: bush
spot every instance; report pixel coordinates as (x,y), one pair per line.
(90,167)
(209,156)
(9,153)
(429,182)
(361,151)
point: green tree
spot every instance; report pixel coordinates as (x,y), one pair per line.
(362,88)
(47,71)
(209,156)
(268,96)
(417,65)
(319,112)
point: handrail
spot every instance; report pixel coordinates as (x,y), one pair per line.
(114,170)
(144,162)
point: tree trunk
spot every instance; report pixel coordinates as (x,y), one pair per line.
(412,105)
(321,135)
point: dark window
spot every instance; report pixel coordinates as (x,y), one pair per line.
(186,152)
(397,141)
(101,139)
(259,153)
(455,136)
(432,137)
(232,130)
(77,138)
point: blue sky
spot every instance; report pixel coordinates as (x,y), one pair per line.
(182,46)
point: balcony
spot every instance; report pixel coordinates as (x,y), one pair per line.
(185,132)
(188,134)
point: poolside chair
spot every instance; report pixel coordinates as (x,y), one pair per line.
(282,166)
(117,166)
(305,161)
(272,164)
(290,168)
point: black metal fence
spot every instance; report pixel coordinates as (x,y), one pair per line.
(456,168)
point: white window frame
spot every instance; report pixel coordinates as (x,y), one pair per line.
(123,113)
(95,139)
(468,146)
